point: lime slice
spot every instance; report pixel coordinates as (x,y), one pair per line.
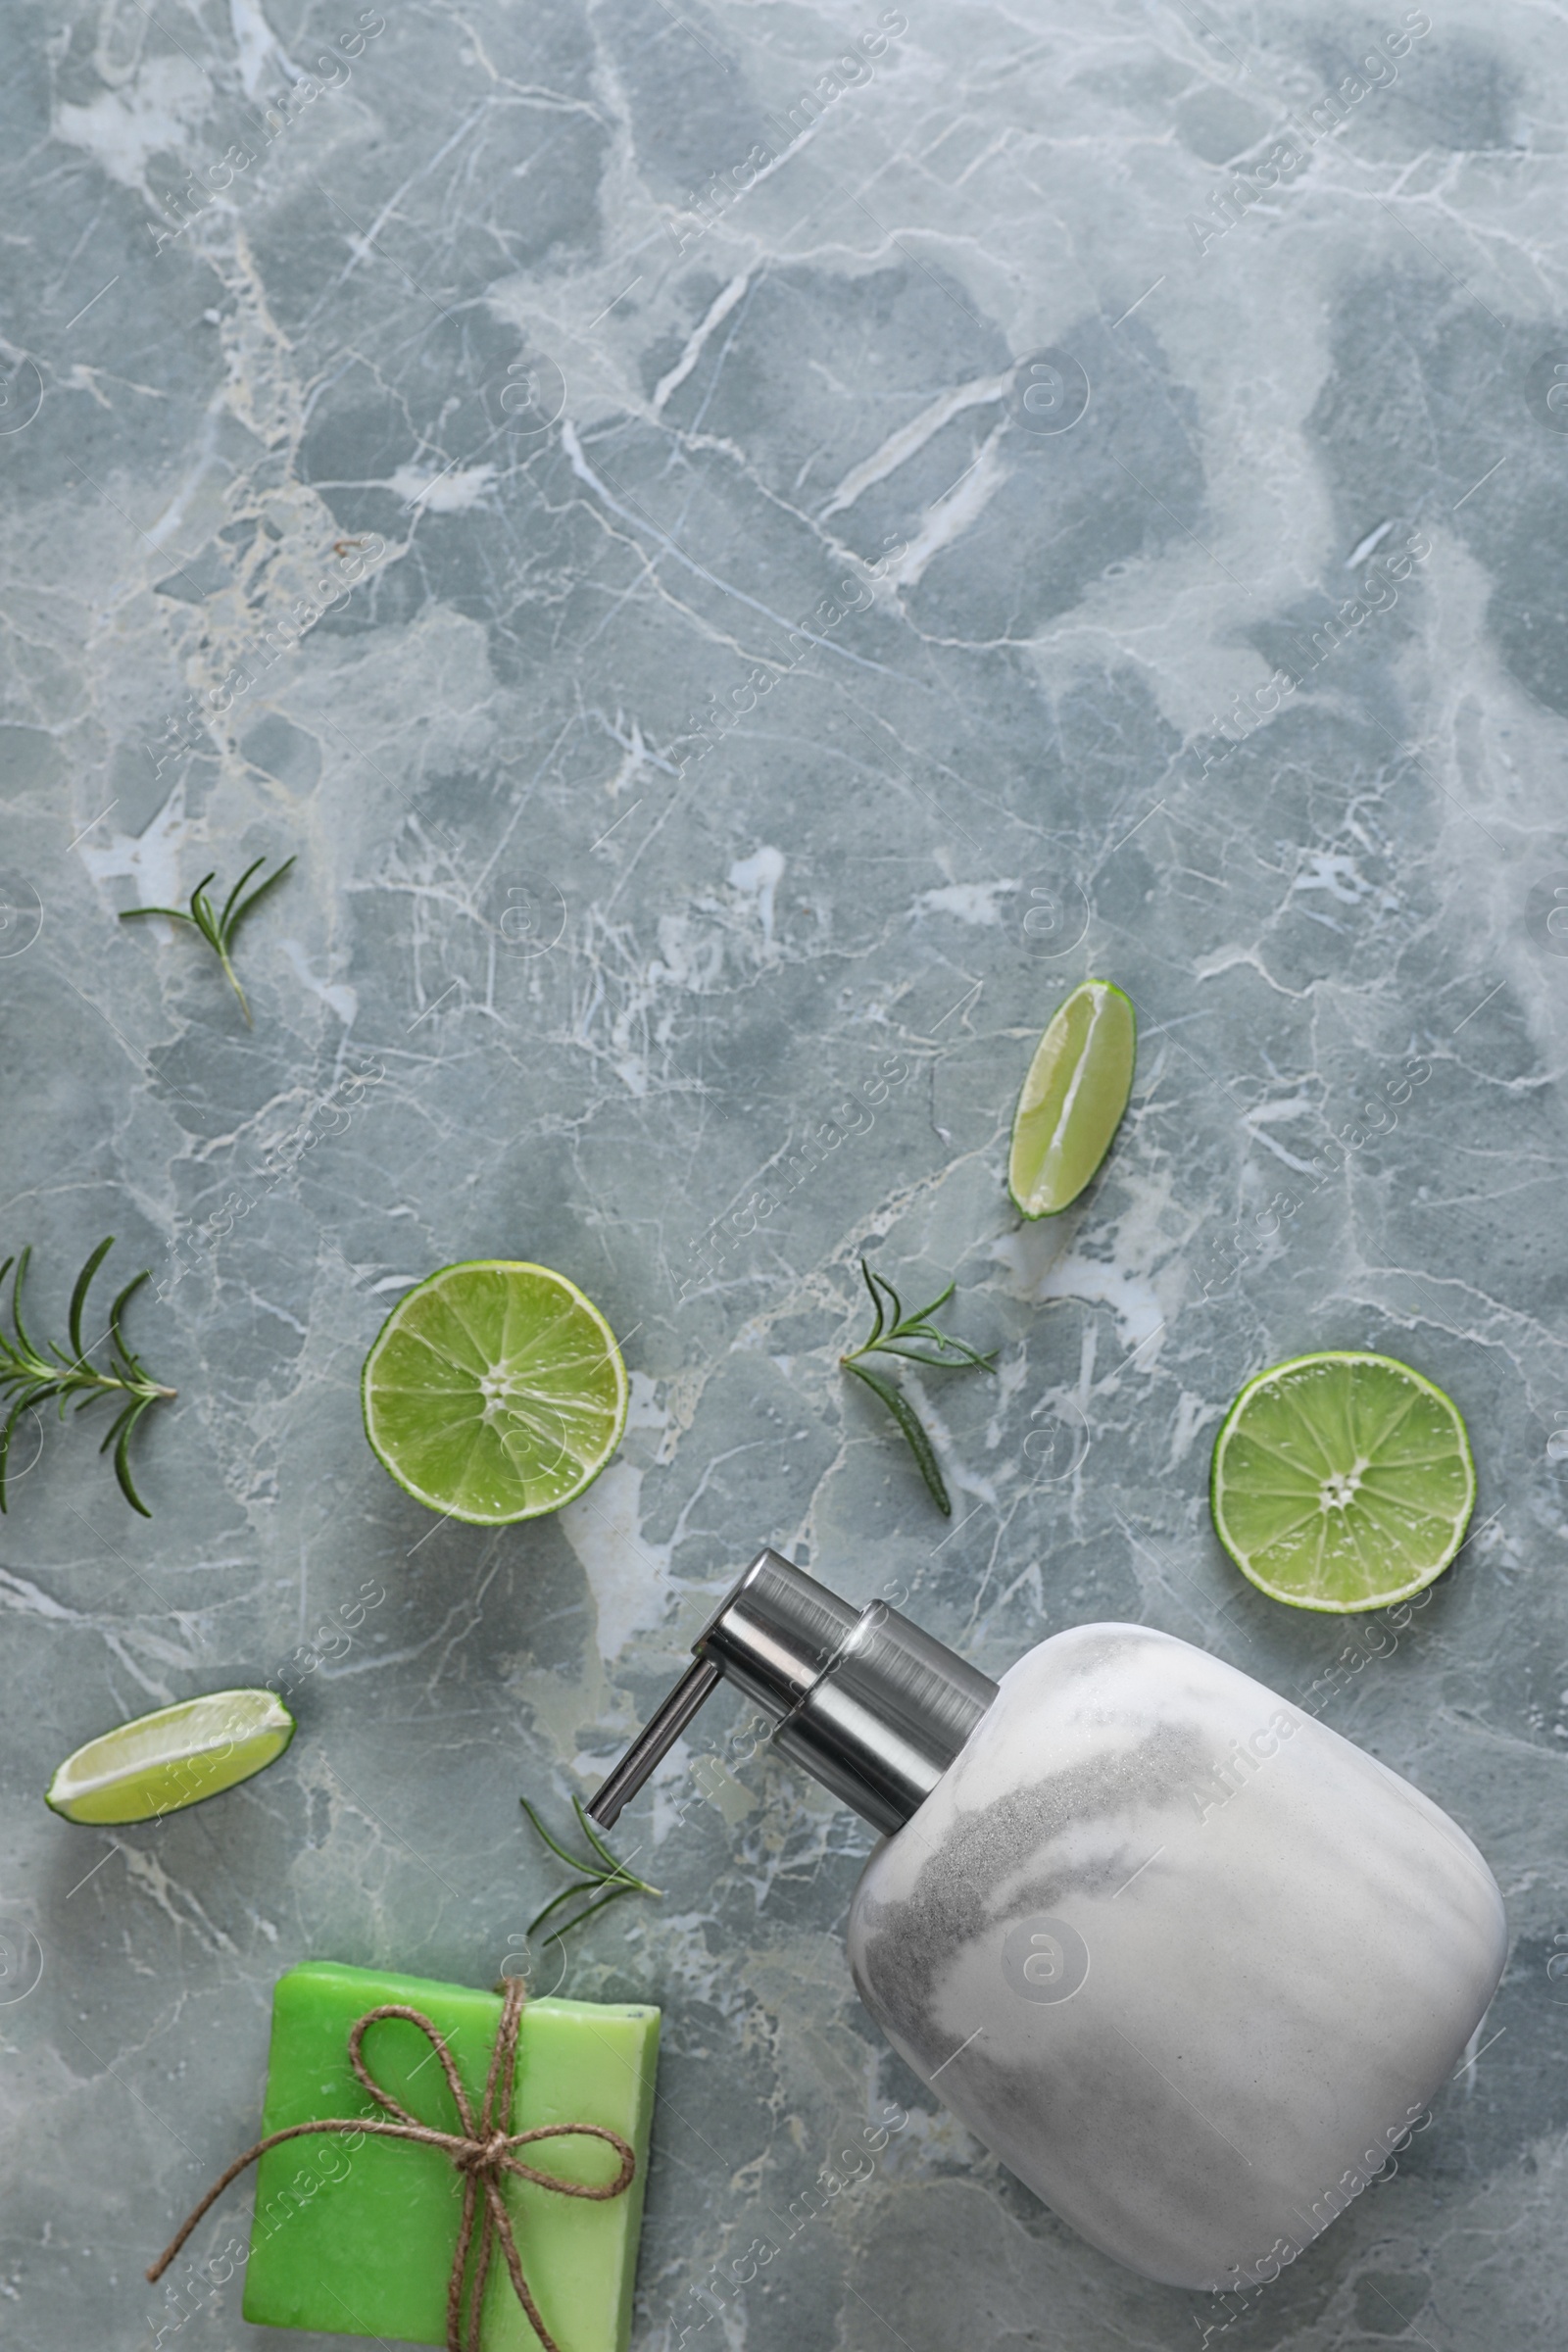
(1072,1099)
(1341,1482)
(176,1757)
(494,1392)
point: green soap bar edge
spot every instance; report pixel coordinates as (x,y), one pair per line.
(400,1988)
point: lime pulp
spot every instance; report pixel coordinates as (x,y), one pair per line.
(1072,1099)
(494,1392)
(162,1762)
(1341,1482)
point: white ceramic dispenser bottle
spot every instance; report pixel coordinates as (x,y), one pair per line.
(1188,1961)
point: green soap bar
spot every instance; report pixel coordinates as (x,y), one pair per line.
(356,2237)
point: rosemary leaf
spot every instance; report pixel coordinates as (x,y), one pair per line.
(909,1420)
(79,1298)
(938,1352)
(604,1875)
(618,1868)
(871,1283)
(577,1918)
(29,1377)
(219,929)
(570,1860)
(957,1358)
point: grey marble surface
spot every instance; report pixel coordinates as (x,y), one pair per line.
(662,370)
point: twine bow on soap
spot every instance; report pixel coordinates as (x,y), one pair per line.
(481,2152)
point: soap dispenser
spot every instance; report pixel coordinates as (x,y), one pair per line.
(1189,1962)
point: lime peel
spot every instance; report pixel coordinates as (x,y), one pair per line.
(1341,1482)
(494,1392)
(174,1757)
(1072,1099)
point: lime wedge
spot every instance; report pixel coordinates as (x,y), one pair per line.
(1072,1099)
(182,1754)
(1341,1482)
(494,1392)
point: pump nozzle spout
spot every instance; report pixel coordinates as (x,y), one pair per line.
(653,1743)
(870,1705)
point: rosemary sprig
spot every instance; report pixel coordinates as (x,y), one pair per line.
(604,1869)
(890,1333)
(219,929)
(28,1377)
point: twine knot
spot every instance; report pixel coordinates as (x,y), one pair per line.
(482,2156)
(481,2152)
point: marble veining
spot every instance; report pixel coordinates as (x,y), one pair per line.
(746,548)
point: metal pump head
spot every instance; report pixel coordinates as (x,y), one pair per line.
(871,1706)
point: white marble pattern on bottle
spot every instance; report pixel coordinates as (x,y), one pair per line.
(1252,1953)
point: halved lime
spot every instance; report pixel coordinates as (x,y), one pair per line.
(1341,1482)
(494,1392)
(1072,1099)
(163,1761)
